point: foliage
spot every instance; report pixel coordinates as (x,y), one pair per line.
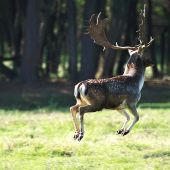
(53,55)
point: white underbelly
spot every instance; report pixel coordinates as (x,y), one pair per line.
(122,105)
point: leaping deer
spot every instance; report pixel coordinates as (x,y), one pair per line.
(116,93)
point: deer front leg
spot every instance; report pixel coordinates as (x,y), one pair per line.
(134,112)
(127,118)
(74,111)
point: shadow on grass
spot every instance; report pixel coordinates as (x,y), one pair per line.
(36,100)
(157,155)
(53,101)
(154,105)
(60,96)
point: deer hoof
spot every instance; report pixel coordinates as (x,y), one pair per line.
(76,135)
(80,138)
(119,132)
(124,133)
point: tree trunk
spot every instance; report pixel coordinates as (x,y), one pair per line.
(60,40)
(151,48)
(168,43)
(162,50)
(1,39)
(17,36)
(168,56)
(87,58)
(29,65)
(130,39)
(17,28)
(72,39)
(98,51)
(7,22)
(115,29)
(46,30)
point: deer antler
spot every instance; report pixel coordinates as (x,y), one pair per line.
(142,33)
(97,33)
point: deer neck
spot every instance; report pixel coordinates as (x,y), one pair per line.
(136,69)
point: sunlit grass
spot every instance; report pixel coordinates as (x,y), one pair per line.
(36,132)
(41,139)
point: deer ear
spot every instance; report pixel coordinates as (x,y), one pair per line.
(130,51)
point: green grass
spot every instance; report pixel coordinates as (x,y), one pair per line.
(41,139)
(36,132)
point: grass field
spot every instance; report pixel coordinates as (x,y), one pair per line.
(36,133)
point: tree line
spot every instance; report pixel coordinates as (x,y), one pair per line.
(42,39)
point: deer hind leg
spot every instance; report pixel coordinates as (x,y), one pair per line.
(134,112)
(82,111)
(127,118)
(74,111)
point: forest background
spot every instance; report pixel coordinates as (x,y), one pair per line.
(44,53)
(45,40)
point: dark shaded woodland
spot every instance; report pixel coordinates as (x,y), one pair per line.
(44,40)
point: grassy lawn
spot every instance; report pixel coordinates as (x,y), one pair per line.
(37,133)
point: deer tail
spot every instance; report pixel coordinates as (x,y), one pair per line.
(80,88)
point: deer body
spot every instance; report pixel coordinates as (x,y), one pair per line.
(116,93)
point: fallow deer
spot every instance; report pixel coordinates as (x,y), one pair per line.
(116,93)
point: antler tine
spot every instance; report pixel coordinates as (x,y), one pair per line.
(142,33)
(97,33)
(91,21)
(98,18)
(150,42)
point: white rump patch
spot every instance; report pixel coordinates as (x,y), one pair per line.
(83,89)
